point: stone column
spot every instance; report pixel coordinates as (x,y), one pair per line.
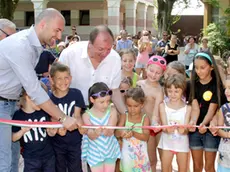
(150,19)
(114,16)
(130,12)
(39,6)
(141,16)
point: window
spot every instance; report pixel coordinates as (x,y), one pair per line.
(29,18)
(66,14)
(214,14)
(84,17)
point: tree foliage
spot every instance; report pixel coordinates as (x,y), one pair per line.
(7,8)
(164,18)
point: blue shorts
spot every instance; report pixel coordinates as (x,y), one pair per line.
(222,169)
(140,65)
(206,141)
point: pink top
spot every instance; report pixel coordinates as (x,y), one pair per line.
(143,57)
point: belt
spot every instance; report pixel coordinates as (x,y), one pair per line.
(7,100)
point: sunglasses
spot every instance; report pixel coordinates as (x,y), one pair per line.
(123,91)
(161,61)
(103,93)
(4,33)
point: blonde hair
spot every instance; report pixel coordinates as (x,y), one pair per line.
(127,80)
(144,43)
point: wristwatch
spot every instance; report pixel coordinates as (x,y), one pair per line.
(62,119)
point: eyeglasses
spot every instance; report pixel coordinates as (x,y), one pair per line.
(103,93)
(161,61)
(5,33)
(123,91)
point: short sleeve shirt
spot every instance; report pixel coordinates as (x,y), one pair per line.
(205,94)
(67,104)
(36,143)
(84,75)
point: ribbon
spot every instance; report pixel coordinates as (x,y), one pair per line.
(30,124)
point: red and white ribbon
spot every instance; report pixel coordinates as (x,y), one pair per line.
(19,123)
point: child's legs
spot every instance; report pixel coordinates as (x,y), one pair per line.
(109,165)
(32,165)
(99,167)
(152,152)
(196,145)
(60,162)
(211,144)
(210,158)
(182,158)
(48,165)
(166,163)
(74,159)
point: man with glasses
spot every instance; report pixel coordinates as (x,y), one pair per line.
(7,28)
(162,43)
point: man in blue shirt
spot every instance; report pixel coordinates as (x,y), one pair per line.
(124,43)
(19,54)
(162,43)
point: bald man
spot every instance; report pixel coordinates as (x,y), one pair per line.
(19,54)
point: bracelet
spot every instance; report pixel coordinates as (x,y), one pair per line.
(62,119)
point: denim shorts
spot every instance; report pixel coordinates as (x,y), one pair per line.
(140,65)
(206,141)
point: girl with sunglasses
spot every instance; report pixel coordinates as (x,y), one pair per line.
(100,147)
(125,84)
(134,147)
(128,59)
(205,97)
(154,96)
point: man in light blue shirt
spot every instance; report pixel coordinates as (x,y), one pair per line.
(19,54)
(124,43)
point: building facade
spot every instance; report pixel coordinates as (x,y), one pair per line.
(132,15)
(212,14)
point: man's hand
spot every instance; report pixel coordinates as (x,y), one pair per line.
(70,123)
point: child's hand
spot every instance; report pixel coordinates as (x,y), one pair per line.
(25,129)
(98,131)
(182,130)
(156,130)
(108,132)
(62,131)
(214,131)
(202,129)
(127,134)
(51,131)
(170,130)
(80,129)
(191,128)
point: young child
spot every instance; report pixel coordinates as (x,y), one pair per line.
(126,83)
(100,147)
(134,148)
(224,120)
(174,67)
(154,96)
(37,152)
(205,96)
(175,111)
(145,48)
(128,59)
(67,145)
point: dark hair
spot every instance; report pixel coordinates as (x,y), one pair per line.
(215,76)
(58,67)
(137,94)
(191,37)
(127,51)
(96,88)
(178,80)
(99,29)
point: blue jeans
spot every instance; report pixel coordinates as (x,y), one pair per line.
(7,110)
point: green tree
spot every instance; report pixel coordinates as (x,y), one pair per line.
(164,17)
(7,8)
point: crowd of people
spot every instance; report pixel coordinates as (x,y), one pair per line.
(129,82)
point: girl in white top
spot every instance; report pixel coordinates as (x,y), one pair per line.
(174,140)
